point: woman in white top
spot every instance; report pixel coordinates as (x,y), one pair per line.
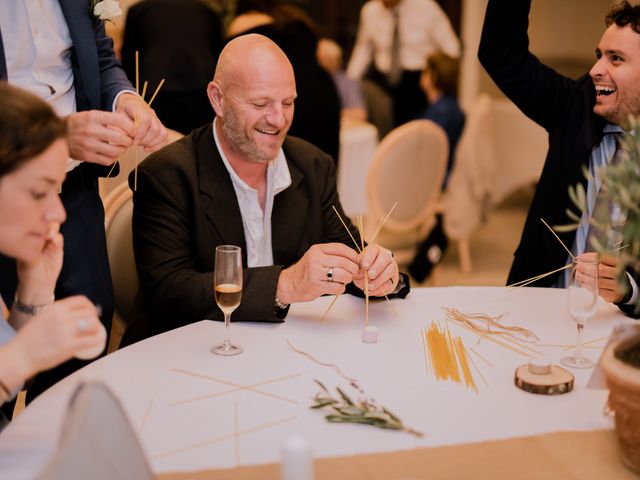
(39,332)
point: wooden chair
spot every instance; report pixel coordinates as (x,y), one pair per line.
(408,168)
(118,214)
(499,152)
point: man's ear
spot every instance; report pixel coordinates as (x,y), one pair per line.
(214,92)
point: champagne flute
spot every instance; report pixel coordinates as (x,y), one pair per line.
(227,284)
(582,299)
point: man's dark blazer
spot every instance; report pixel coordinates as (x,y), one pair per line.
(98,77)
(564,107)
(185,206)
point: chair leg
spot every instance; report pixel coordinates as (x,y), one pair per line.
(464,253)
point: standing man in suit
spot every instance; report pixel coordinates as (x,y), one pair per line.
(394,39)
(58,49)
(243,181)
(178,40)
(581,117)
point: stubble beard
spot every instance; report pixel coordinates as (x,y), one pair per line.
(233,130)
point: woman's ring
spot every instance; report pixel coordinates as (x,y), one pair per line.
(82,325)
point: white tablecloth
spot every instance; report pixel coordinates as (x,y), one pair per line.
(269,387)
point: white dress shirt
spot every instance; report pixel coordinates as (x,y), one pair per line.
(423,27)
(256,223)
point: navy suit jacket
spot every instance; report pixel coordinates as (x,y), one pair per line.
(98,76)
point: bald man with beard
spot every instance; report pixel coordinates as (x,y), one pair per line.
(242,181)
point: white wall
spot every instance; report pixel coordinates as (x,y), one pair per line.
(563,33)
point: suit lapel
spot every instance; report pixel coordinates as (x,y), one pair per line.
(3,60)
(82,31)
(288,219)
(218,196)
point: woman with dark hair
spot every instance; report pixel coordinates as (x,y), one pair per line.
(38,333)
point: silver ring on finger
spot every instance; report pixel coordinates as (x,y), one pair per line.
(82,325)
(330,274)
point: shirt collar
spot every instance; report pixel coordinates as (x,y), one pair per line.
(278,173)
(611,128)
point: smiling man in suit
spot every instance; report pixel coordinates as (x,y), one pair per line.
(583,118)
(243,181)
(58,50)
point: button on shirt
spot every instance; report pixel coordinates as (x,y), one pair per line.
(423,27)
(256,223)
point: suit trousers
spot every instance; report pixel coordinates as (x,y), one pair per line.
(409,101)
(85,270)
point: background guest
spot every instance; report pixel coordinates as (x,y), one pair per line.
(394,39)
(439,80)
(329,56)
(178,40)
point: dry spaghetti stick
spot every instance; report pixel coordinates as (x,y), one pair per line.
(153,97)
(222,438)
(510,339)
(497,342)
(561,242)
(135,159)
(236,434)
(327,310)
(137,73)
(423,336)
(524,283)
(144,89)
(145,417)
(315,360)
(366,273)
(366,298)
(112,167)
(346,228)
(464,365)
(478,370)
(481,357)
(569,347)
(375,234)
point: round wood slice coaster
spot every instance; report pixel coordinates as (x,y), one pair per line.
(557,381)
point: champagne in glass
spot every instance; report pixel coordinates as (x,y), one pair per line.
(582,300)
(227,285)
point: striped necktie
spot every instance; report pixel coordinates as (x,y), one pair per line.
(607,217)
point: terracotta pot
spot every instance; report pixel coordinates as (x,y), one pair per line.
(624,399)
